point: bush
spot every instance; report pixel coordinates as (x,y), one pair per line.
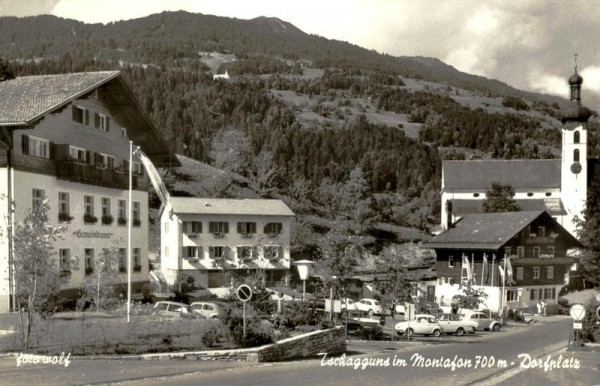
(215,331)
(591,330)
(375,333)
(258,333)
(296,314)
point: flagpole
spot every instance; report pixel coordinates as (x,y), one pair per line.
(130,220)
(483,267)
(503,281)
(493,260)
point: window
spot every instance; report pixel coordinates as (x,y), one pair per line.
(550,251)
(511,295)
(507,251)
(541,231)
(37,197)
(217,279)
(550,272)
(105,206)
(102,122)
(191,252)
(64,257)
(122,209)
(106,161)
(88,205)
(63,204)
(536,252)
(576,137)
(36,146)
(519,273)
(218,227)
(167,227)
(136,168)
(166,251)
(123,132)
(576,155)
(136,214)
(89,261)
(81,115)
(245,253)
(137,259)
(246,227)
(273,228)
(272,252)
(192,227)
(122,260)
(218,252)
(536,273)
(78,154)
(520,252)
(451,262)
(532,294)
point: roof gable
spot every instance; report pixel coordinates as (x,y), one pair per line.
(520,174)
(484,230)
(26,98)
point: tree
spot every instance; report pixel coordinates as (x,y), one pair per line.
(500,199)
(268,174)
(36,273)
(232,151)
(470,299)
(355,198)
(394,261)
(99,285)
(5,72)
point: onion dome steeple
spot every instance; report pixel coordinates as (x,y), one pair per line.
(576,112)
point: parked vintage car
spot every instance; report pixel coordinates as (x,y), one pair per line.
(422,324)
(369,305)
(431,308)
(361,320)
(210,310)
(453,324)
(172,309)
(484,322)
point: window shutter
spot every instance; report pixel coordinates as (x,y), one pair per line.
(87,117)
(226,227)
(74,113)
(96,120)
(25,144)
(111,163)
(51,150)
(107,123)
(126,165)
(88,157)
(97,158)
(211,251)
(239,227)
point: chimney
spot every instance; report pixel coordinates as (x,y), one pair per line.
(448,214)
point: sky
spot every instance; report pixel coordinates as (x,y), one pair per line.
(528,44)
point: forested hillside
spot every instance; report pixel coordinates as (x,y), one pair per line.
(338,131)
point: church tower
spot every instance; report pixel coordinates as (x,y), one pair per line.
(574,167)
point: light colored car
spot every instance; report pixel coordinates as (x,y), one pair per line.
(361,320)
(369,305)
(210,310)
(168,308)
(484,322)
(348,304)
(422,324)
(453,324)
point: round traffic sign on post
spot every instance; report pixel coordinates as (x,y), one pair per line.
(244,293)
(577,312)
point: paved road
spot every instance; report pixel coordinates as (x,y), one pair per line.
(489,347)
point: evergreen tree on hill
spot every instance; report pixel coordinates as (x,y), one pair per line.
(500,198)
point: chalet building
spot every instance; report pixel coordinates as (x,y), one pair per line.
(66,138)
(203,237)
(558,186)
(473,252)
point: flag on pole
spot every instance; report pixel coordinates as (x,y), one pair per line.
(501,270)
(155,179)
(509,271)
(484,267)
(466,274)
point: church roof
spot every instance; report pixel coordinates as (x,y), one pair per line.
(520,174)
(553,206)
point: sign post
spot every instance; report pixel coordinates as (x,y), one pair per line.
(244,293)
(577,312)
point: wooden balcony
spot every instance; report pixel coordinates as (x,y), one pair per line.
(73,171)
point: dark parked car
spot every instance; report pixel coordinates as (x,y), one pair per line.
(361,320)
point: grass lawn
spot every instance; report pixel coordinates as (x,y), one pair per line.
(106,335)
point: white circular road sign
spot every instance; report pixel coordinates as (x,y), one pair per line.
(577,312)
(244,293)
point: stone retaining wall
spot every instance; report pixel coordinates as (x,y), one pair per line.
(331,341)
